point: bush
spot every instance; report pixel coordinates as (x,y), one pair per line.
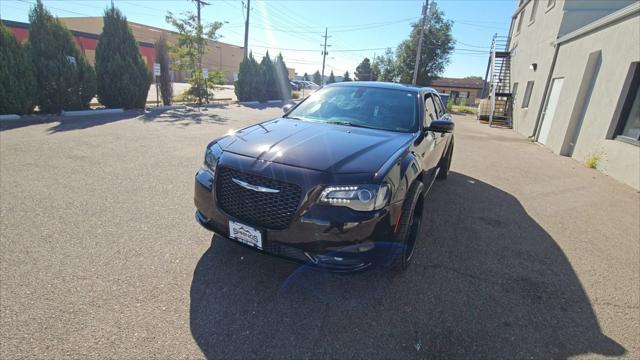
(17,80)
(450,104)
(64,79)
(123,77)
(164,80)
(215,78)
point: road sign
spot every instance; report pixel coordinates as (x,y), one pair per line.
(156,69)
(205,73)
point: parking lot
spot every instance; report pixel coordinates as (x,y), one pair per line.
(524,254)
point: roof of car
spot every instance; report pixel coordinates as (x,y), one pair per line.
(383,85)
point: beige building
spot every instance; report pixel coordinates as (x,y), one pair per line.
(219,56)
(575,76)
(460,90)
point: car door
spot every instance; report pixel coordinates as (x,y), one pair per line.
(441,139)
(428,145)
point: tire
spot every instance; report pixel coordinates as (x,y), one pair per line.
(408,230)
(445,163)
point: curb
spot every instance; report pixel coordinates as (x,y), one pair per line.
(249,102)
(9,117)
(91,112)
(168,107)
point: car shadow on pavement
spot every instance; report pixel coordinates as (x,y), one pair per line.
(487,282)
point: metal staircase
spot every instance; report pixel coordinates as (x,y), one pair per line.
(498,110)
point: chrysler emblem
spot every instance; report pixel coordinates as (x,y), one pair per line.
(246,185)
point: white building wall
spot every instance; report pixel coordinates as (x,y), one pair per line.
(619,44)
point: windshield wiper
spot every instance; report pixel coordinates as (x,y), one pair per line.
(348,123)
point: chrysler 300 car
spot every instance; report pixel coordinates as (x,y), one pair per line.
(338,181)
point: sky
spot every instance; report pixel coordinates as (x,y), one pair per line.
(356,28)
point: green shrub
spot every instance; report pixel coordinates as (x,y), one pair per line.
(17,80)
(450,104)
(216,78)
(123,77)
(592,161)
(463,102)
(164,80)
(246,85)
(64,79)
(267,80)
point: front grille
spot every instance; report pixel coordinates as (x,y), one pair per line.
(269,210)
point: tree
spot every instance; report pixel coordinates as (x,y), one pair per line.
(123,77)
(384,66)
(164,80)
(473,77)
(17,79)
(266,85)
(282,85)
(346,77)
(305,77)
(245,86)
(64,79)
(317,78)
(364,71)
(437,46)
(332,78)
(190,48)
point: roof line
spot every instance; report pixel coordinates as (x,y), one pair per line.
(600,23)
(147,26)
(27,26)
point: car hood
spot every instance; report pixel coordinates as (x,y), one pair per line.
(318,146)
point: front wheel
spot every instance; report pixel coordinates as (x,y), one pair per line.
(408,228)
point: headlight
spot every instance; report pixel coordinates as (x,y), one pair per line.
(360,198)
(211,157)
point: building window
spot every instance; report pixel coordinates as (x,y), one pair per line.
(527,95)
(521,16)
(514,92)
(534,8)
(627,114)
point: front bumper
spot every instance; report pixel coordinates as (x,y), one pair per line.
(334,238)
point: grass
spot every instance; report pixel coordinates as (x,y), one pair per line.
(464,109)
(592,161)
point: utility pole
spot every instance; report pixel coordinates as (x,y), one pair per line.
(425,10)
(324,55)
(246,31)
(200,4)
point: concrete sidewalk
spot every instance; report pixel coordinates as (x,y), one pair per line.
(593,219)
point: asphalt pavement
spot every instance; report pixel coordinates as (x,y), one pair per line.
(524,254)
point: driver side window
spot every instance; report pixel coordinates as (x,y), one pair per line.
(430,112)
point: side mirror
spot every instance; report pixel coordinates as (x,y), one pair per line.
(441,126)
(287,107)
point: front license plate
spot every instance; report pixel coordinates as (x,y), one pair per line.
(245,234)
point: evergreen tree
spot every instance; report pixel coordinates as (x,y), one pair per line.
(305,77)
(266,86)
(346,77)
(123,77)
(65,81)
(247,83)
(164,80)
(317,78)
(17,79)
(332,78)
(283,87)
(364,71)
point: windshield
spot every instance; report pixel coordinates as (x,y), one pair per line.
(384,109)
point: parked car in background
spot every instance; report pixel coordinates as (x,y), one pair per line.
(337,182)
(311,85)
(295,85)
(444,98)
